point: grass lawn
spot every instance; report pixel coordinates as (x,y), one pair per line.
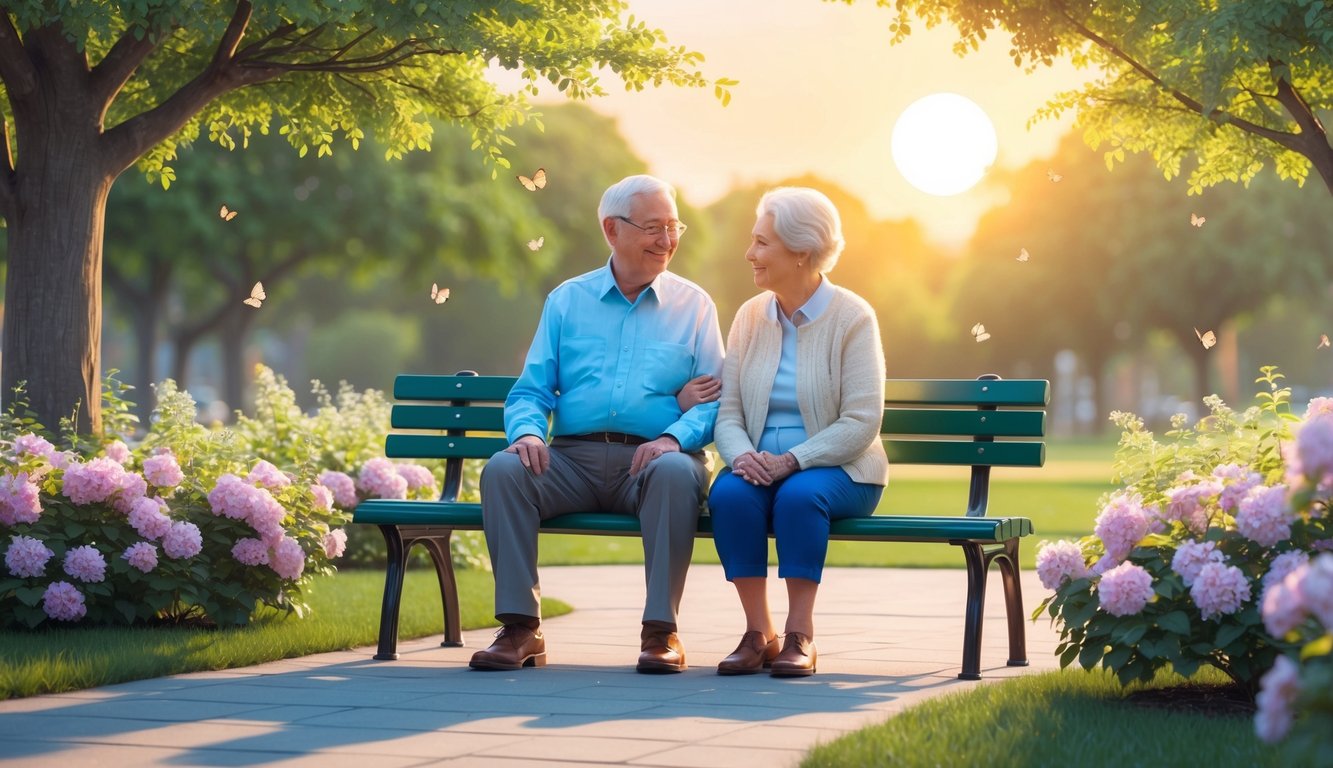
(346,609)
(1070,717)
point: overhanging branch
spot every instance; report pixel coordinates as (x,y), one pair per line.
(119,64)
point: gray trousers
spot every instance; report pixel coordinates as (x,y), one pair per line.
(592,477)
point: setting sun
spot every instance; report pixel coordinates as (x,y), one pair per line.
(943,144)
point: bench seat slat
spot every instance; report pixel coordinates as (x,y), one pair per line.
(467,515)
(917,392)
(960,452)
(922,421)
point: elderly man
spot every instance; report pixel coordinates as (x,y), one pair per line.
(612,350)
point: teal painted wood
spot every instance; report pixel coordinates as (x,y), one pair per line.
(938,421)
(418,416)
(959,452)
(442,447)
(926,528)
(920,392)
(418,387)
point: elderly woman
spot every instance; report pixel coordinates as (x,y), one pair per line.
(798,426)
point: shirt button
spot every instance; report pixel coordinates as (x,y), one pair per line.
(624,349)
(620,383)
(613,413)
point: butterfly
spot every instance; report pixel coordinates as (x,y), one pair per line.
(1207,338)
(226,213)
(979,331)
(1323,341)
(538,180)
(1053,176)
(535,245)
(1023,254)
(1197,220)
(257,294)
(437,294)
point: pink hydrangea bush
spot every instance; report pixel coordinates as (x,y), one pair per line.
(1211,524)
(183,524)
(1295,701)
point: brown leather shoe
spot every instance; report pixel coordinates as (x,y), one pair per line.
(752,655)
(797,658)
(515,647)
(662,652)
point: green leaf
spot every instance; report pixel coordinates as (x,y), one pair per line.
(1229,633)
(1090,655)
(1068,656)
(30,596)
(1175,621)
(1320,647)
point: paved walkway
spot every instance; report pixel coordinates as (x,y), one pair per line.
(888,638)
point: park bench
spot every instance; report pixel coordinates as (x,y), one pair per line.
(926,421)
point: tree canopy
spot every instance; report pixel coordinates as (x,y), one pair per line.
(93,88)
(1216,90)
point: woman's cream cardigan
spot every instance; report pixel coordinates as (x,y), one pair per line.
(839,386)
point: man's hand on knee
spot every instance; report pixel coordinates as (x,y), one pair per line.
(532,452)
(651,450)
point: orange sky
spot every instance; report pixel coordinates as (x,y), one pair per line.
(820,88)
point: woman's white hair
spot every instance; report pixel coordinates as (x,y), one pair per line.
(806,221)
(617,197)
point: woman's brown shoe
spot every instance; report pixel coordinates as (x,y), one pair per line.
(752,655)
(797,658)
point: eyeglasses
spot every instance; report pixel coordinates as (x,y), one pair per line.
(673,231)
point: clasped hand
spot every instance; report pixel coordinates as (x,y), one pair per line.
(763,468)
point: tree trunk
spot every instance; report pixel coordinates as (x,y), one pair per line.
(235,375)
(53,291)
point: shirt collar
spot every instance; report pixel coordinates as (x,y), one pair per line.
(813,306)
(608,285)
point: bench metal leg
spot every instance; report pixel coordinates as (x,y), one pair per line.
(1013,604)
(976,604)
(444,569)
(393,593)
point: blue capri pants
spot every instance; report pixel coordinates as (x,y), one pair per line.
(797,510)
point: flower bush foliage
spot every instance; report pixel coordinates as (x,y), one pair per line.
(191,523)
(1208,526)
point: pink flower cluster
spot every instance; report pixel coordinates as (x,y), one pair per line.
(1192,556)
(103,479)
(1059,561)
(287,558)
(1307,591)
(1219,589)
(250,552)
(85,564)
(335,543)
(182,540)
(1188,504)
(63,602)
(33,445)
(19,499)
(1264,515)
(1278,690)
(149,519)
(342,486)
(417,477)
(141,555)
(380,478)
(1241,480)
(266,475)
(26,557)
(321,497)
(1121,525)
(239,500)
(162,471)
(1314,447)
(1125,589)
(118,452)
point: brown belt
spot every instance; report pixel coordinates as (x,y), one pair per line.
(608,437)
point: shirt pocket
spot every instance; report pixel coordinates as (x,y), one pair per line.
(666,367)
(581,361)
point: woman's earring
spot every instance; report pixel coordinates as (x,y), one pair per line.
(800,264)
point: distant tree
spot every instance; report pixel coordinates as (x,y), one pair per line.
(1232,85)
(93,88)
(1113,255)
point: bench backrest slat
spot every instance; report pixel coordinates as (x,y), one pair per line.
(419,387)
(420,416)
(961,452)
(442,447)
(966,392)
(939,421)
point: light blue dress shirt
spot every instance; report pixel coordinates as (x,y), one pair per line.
(783,428)
(599,363)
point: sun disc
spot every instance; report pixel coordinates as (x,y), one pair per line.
(943,144)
